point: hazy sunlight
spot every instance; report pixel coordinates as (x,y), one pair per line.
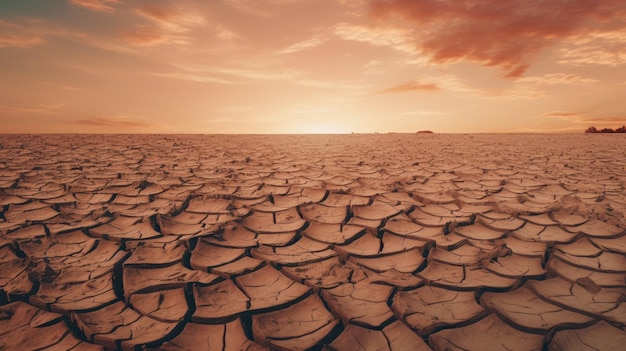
(321,128)
(294,66)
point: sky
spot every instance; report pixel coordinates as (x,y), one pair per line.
(311,66)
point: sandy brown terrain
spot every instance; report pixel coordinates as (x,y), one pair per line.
(353,242)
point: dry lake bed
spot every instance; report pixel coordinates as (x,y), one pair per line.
(297,242)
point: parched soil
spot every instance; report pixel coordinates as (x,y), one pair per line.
(312,242)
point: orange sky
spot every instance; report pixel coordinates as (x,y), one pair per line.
(311,66)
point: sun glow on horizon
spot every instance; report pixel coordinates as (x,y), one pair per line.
(320,128)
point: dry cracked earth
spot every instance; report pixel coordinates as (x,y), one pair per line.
(353,242)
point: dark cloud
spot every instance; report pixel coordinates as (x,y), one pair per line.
(495,33)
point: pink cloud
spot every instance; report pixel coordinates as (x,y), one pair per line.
(167,25)
(170,18)
(145,36)
(396,38)
(22,110)
(116,122)
(607,120)
(502,34)
(158,13)
(582,118)
(96,5)
(598,54)
(19,41)
(564,115)
(558,78)
(19,36)
(411,86)
(249,7)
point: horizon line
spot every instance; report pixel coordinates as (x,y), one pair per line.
(350,133)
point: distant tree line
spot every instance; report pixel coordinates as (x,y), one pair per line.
(592,129)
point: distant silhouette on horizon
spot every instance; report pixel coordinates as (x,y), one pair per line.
(593,129)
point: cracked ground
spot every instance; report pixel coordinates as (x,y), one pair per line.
(351,242)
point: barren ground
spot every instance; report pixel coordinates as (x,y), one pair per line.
(284,242)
